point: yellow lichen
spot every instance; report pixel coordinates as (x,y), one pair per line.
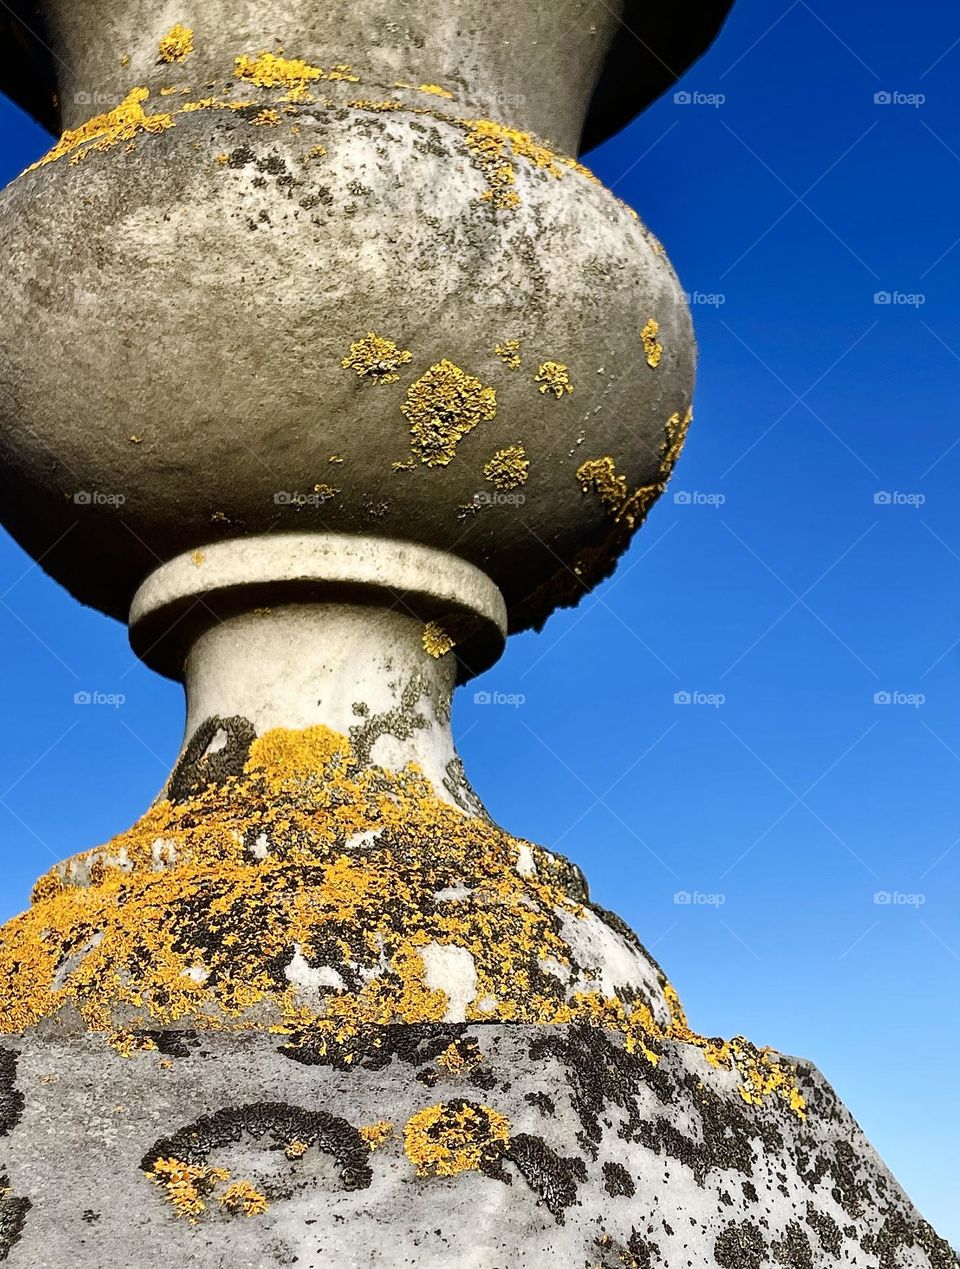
(243,1199)
(376,1134)
(434,90)
(198,559)
(509,468)
(179,921)
(266,119)
(554,376)
(377,358)
(126,1043)
(104,132)
(652,348)
(177,44)
(454,1137)
(186,1185)
(442,407)
(437,641)
(509,353)
(325,492)
(267,70)
(295,1150)
(344,73)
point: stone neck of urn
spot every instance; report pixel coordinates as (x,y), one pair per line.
(365,637)
(477,51)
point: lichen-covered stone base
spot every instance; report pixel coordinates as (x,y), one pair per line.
(488,1146)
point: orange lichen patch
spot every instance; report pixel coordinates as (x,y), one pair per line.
(554,376)
(509,353)
(442,407)
(509,468)
(186,1185)
(600,475)
(437,641)
(243,1199)
(104,132)
(267,70)
(375,1135)
(126,1043)
(454,1137)
(344,73)
(377,358)
(177,44)
(461,1059)
(652,348)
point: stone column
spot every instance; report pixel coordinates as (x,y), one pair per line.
(326,365)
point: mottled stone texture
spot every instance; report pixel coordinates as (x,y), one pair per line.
(605,1160)
(646,47)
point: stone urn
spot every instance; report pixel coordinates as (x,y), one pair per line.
(325,365)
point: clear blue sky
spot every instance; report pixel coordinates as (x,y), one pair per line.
(798,598)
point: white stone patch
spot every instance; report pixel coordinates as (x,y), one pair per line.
(197,974)
(74,962)
(452,892)
(551,966)
(452,970)
(487,1004)
(359,840)
(616,962)
(311,977)
(261,847)
(219,741)
(163,851)
(526,864)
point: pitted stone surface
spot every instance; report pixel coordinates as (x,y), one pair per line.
(560,1149)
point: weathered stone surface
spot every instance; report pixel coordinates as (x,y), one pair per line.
(271,250)
(560,1149)
(645,48)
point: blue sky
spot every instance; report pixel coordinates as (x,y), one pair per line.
(799,584)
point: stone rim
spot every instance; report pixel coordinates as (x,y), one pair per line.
(195,590)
